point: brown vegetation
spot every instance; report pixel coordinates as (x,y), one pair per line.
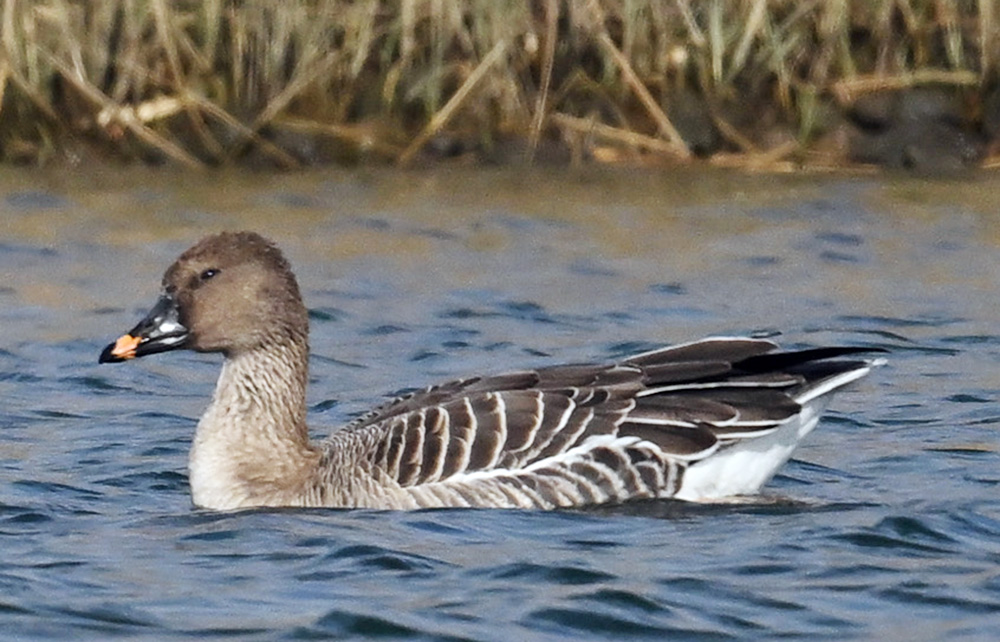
(757,83)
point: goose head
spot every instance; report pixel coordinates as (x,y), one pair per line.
(232,293)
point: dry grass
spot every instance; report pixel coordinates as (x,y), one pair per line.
(213,82)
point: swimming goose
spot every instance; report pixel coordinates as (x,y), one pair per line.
(700,421)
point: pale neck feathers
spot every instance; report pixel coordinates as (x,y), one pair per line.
(252,445)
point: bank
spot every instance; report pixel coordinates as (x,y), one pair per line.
(763,85)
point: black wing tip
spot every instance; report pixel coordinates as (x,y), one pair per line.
(788,359)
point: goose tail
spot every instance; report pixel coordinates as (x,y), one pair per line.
(743,466)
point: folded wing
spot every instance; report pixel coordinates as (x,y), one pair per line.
(583,434)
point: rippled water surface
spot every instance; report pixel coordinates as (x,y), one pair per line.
(885,526)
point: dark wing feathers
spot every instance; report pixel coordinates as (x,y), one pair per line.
(659,374)
(681,410)
(682,402)
(724,350)
(431,428)
(588,376)
(487,443)
(684,443)
(753,404)
(525,414)
(786,360)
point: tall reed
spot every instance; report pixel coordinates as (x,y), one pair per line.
(213,81)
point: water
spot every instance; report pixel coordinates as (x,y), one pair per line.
(886,525)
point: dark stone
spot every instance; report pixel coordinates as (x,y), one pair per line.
(921,129)
(991,114)
(690,115)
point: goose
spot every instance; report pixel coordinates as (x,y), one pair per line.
(701,421)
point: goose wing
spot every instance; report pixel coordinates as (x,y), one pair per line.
(576,434)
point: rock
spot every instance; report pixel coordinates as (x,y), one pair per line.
(921,129)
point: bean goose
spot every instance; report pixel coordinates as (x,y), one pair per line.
(700,421)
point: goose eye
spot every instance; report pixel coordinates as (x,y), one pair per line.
(209,273)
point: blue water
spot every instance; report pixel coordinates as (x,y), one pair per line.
(885,526)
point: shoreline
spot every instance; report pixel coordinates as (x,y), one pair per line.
(760,86)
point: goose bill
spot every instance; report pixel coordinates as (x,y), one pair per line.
(160,331)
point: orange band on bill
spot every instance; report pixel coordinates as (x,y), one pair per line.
(125,346)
